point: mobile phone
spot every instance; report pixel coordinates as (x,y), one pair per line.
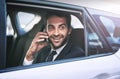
(46,39)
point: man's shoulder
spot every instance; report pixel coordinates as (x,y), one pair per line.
(75,51)
(76,48)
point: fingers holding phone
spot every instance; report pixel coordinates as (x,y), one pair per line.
(41,39)
(39,42)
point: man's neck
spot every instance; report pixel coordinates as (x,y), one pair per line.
(58,50)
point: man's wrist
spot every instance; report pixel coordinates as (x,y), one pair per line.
(26,62)
(29,57)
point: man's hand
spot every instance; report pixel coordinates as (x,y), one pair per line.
(36,45)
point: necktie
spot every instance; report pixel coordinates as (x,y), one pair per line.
(50,56)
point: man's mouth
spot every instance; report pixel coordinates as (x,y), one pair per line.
(56,40)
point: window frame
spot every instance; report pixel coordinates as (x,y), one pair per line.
(95,15)
(95,26)
(27,7)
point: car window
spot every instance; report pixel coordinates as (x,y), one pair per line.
(27,20)
(110,26)
(9,28)
(75,22)
(95,45)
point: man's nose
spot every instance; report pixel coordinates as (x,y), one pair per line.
(56,32)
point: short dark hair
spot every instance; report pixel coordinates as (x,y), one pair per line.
(60,14)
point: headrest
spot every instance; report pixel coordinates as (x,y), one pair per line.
(77,37)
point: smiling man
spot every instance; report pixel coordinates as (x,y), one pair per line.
(53,43)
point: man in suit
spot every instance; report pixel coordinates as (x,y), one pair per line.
(54,38)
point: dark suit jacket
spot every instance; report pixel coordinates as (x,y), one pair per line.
(69,51)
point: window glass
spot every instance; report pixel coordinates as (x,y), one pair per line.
(95,45)
(113,27)
(27,20)
(9,28)
(110,26)
(75,22)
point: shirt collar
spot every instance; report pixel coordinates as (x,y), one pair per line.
(59,49)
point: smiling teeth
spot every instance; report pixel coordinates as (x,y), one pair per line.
(56,39)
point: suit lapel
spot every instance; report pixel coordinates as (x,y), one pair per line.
(42,55)
(64,52)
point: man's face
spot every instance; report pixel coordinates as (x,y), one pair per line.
(57,30)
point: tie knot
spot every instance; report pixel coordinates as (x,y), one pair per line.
(53,52)
(50,57)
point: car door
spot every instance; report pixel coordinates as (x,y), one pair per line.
(100,61)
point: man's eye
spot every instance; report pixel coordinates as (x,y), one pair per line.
(62,27)
(50,27)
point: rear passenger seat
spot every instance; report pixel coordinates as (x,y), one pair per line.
(18,48)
